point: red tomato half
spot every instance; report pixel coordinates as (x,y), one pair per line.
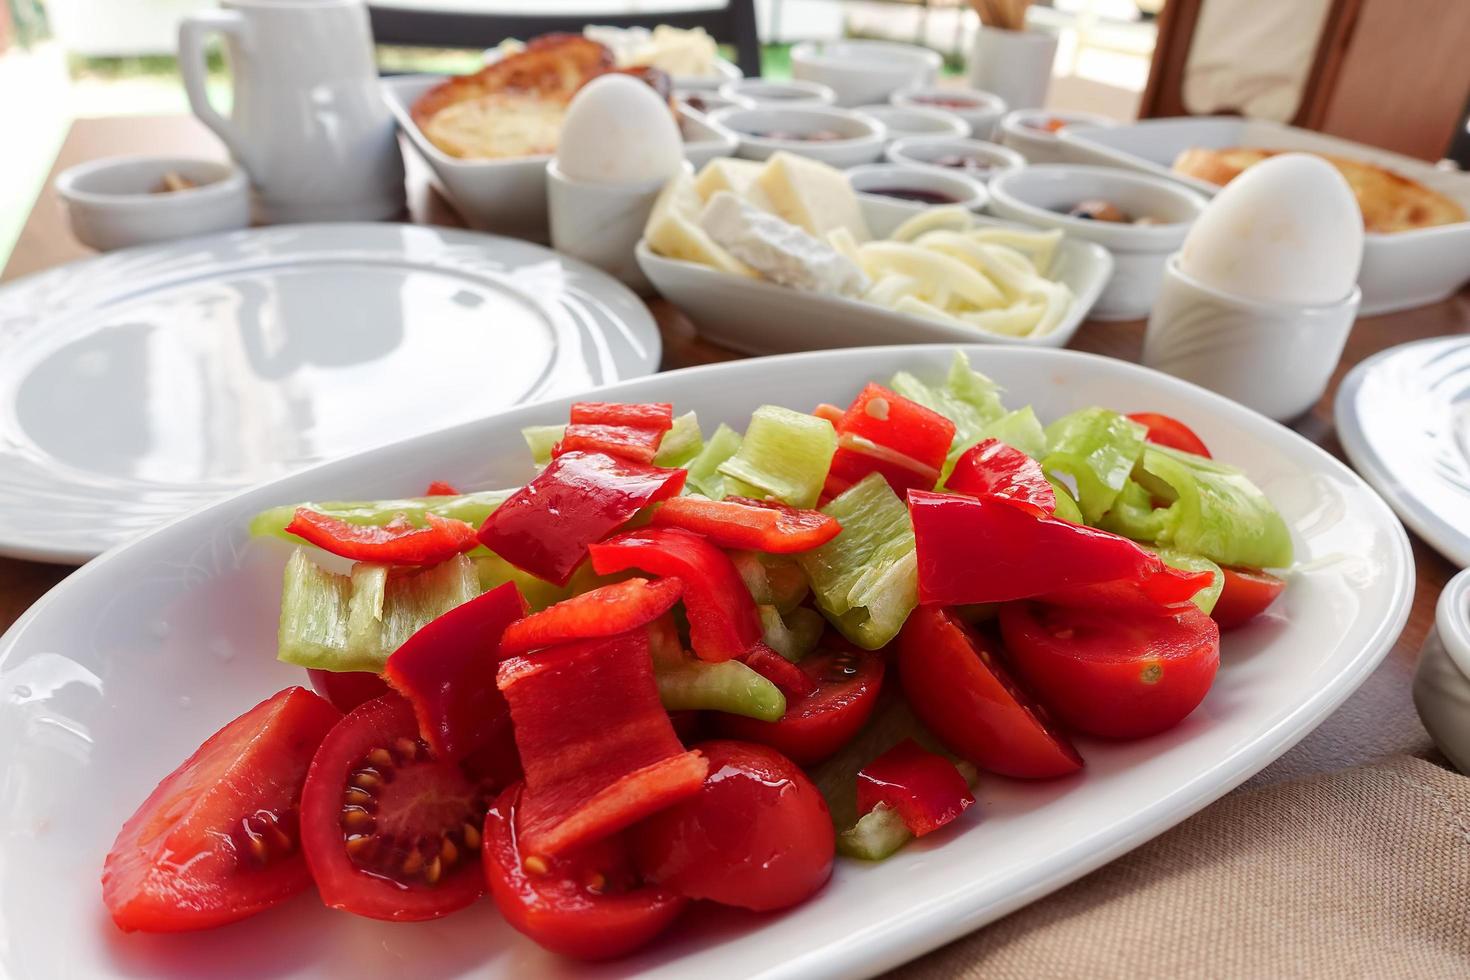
(1164,430)
(589,903)
(814,727)
(758,835)
(963,694)
(1110,675)
(346,689)
(1245,596)
(389,831)
(217,840)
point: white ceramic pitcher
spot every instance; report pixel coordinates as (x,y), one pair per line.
(308,122)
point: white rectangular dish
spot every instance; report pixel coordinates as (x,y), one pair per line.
(118,673)
(508,196)
(758,317)
(1400,271)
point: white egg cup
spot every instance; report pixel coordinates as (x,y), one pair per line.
(1442,679)
(600,223)
(1275,358)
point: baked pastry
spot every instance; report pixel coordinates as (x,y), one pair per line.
(1390,202)
(515,107)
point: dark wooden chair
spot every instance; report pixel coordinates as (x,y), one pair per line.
(1386,73)
(732,24)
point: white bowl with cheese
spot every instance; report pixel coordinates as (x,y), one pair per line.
(835,136)
(753,92)
(917,188)
(508,195)
(865,72)
(977,159)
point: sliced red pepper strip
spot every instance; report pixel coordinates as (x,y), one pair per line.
(396,543)
(658,416)
(597,747)
(441,489)
(447,672)
(993,469)
(757,525)
(1164,430)
(898,423)
(925,788)
(545,527)
(856,457)
(605,611)
(990,550)
(629,442)
(723,621)
(790,678)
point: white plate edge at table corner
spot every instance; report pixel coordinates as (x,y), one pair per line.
(928,929)
(1450,542)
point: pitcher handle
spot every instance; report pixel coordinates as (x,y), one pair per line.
(194,31)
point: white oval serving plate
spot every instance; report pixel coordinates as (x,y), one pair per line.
(760,317)
(142,384)
(1403,416)
(118,673)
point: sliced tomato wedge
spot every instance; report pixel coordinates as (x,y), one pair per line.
(390,832)
(1165,430)
(964,695)
(217,841)
(590,902)
(1247,594)
(847,682)
(1113,675)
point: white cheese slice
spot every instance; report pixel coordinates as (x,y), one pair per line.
(778,250)
(673,229)
(734,175)
(812,195)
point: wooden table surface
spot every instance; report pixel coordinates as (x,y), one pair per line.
(46,241)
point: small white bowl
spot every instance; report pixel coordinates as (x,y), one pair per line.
(754,92)
(1042,196)
(953,186)
(979,110)
(701,101)
(1024,131)
(1275,358)
(923,152)
(864,72)
(113,203)
(1442,679)
(861,137)
(911,121)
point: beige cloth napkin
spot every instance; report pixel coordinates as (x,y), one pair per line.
(1359,873)
(1252,56)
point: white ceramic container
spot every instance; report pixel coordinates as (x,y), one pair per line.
(864,72)
(1400,271)
(120,671)
(861,137)
(907,122)
(753,92)
(993,158)
(1271,357)
(1442,678)
(954,186)
(979,110)
(601,223)
(1043,194)
(1023,131)
(114,202)
(1016,65)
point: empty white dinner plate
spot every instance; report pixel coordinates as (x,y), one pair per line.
(139,385)
(1404,418)
(116,675)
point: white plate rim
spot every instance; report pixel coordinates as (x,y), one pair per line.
(930,925)
(1438,533)
(594,294)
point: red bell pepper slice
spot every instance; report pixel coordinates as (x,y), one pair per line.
(1164,430)
(898,423)
(605,611)
(925,788)
(630,431)
(446,670)
(993,469)
(545,527)
(791,679)
(757,525)
(990,550)
(441,489)
(396,543)
(723,621)
(597,747)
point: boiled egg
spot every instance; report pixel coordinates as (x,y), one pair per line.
(618,131)
(1287,230)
